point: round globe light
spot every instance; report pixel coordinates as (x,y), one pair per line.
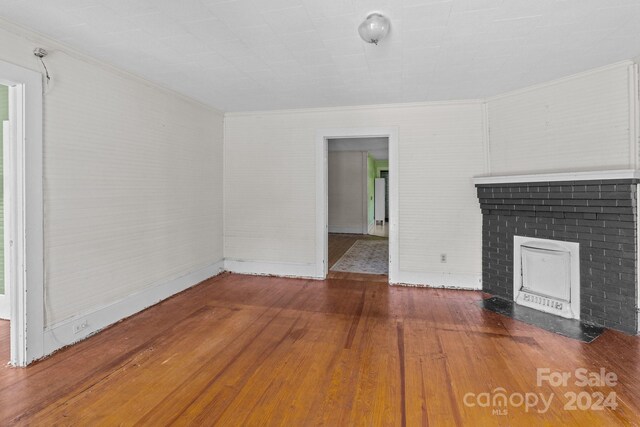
(374,28)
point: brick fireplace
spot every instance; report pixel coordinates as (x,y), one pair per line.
(595,210)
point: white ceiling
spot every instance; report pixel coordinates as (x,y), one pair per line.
(241,55)
(377,147)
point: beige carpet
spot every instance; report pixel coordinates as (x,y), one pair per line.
(365,256)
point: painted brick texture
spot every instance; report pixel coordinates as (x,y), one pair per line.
(599,215)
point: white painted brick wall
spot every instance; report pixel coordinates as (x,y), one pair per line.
(579,123)
(132,182)
(270,183)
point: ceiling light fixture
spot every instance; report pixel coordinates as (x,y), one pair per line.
(374,28)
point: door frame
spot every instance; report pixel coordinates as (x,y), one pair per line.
(24,259)
(322,199)
(387,196)
(5,299)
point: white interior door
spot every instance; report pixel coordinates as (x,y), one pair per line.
(5,306)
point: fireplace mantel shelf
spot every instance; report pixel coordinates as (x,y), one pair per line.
(564,176)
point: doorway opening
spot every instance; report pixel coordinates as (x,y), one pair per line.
(357,203)
(22,297)
(356,197)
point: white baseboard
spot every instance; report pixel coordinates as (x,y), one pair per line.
(63,333)
(439,280)
(345,230)
(271,268)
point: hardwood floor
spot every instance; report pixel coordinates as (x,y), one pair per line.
(338,245)
(5,349)
(250,350)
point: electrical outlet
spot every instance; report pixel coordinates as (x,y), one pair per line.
(80,327)
(443,257)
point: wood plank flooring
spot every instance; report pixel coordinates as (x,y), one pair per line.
(250,350)
(5,350)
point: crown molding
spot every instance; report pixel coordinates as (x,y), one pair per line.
(356,108)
